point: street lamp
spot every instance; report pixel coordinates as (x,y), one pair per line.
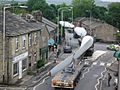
(62,9)
(4,35)
(89,11)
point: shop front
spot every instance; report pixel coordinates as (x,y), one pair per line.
(19,65)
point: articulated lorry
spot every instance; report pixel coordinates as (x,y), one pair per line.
(67,72)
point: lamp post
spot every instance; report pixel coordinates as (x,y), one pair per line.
(4,35)
(62,9)
(89,11)
(58,35)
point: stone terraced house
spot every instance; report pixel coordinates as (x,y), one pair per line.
(99,29)
(23,42)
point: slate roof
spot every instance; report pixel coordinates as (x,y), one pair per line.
(16,25)
(50,25)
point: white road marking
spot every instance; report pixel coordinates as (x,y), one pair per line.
(41,82)
(95,63)
(83,75)
(98,80)
(95,75)
(94,57)
(102,63)
(108,64)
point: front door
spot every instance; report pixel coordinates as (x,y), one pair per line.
(20,69)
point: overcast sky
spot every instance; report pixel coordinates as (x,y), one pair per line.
(52,1)
(110,0)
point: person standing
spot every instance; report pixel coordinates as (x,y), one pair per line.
(109,79)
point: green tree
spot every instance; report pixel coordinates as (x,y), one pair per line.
(114,14)
(47,10)
(37,5)
(99,12)
(80,7)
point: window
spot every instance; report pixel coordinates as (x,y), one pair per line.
(35,38)
(30,40)
(15,69)
(24,64)
(24,41)
(17,44)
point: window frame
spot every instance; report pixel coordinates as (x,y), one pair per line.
(15,74)
(30,39)
(24,64)
(24,41)
(35,38)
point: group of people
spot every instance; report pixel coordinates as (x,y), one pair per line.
(56,48)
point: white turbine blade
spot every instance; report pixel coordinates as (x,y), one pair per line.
(80,31)
(87,42)
(61,65)
(66,24)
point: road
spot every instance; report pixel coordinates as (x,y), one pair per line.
(90,77)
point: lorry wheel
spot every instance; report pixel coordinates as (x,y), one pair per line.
(56,88)
(72,89)
(89,53)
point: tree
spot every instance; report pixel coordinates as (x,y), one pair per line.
(49,13)
(47,10)
(37,5)
(80,7)
(114,13)
(99,12)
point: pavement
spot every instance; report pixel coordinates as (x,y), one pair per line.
(29,81)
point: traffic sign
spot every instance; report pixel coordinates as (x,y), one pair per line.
(117,54)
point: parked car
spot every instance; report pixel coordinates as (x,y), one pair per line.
(67,49)
(113,47)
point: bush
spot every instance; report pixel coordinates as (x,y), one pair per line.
(40,63)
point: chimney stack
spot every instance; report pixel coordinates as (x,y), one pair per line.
(37,15)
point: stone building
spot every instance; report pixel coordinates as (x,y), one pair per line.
(99,29)
(48,32)
(52,28)
(23,42)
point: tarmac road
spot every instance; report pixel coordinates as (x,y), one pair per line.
(90,78)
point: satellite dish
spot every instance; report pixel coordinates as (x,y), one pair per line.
(80,31)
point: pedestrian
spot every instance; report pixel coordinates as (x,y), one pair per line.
(116,83)
(109,79)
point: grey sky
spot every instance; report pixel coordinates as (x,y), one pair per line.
(97,2)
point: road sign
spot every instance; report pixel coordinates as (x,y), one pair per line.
(117,54)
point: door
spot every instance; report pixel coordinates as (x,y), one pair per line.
(20,69)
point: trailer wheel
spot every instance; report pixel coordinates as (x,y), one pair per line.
(71,88)
(55,88)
